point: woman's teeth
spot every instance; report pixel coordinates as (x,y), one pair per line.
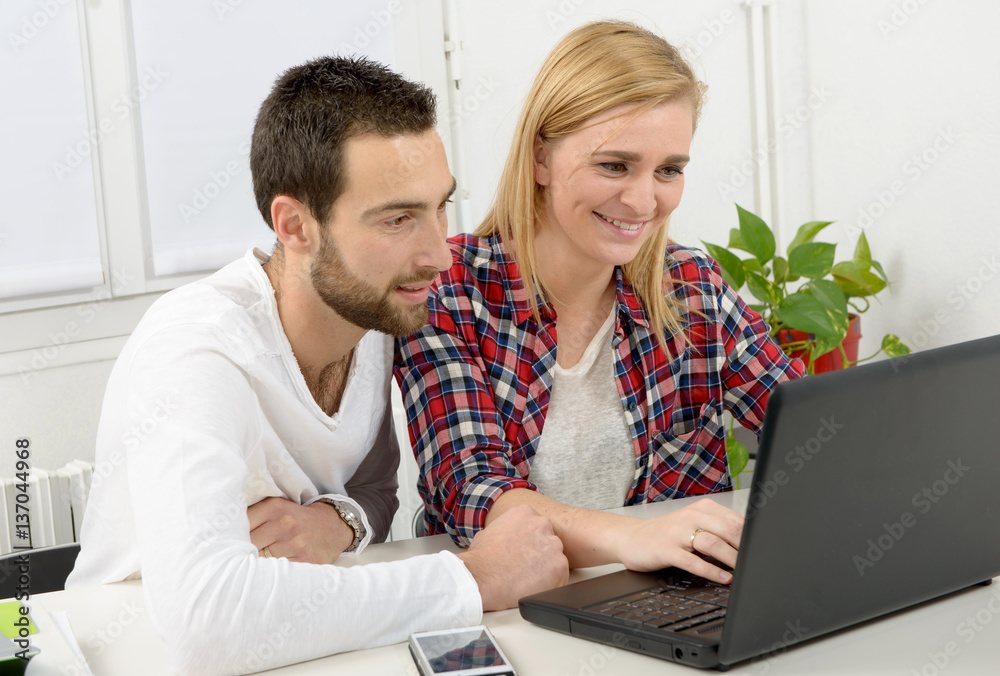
(622,224)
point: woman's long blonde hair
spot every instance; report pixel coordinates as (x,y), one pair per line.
(593,69)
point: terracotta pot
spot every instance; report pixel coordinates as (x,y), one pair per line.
(832,360)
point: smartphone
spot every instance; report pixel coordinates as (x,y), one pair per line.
(470,651)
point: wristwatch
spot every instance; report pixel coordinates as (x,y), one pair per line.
(350,516)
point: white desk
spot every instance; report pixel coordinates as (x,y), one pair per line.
(118,640)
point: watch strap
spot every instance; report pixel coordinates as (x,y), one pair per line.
(350,516)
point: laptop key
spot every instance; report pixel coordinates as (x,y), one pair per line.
(669,619)
(632,617)
(702,619)
(638,596)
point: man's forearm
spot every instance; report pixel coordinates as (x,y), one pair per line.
(374,484)
(589,537)
(380,505)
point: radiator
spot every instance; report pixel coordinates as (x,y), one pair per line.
(53,507)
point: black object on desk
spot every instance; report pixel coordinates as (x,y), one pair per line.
(865,500)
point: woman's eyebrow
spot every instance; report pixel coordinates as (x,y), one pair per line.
(629,156)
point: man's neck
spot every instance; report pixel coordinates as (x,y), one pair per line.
(322,341)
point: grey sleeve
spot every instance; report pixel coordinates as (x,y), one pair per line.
(374,484)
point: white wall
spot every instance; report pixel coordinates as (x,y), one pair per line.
(861,87)
(506,42)
(58,409)
(913,120)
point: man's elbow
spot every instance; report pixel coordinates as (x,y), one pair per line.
(196,625)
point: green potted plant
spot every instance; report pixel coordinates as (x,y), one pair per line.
(811,302)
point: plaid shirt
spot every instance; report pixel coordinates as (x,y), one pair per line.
(476,383)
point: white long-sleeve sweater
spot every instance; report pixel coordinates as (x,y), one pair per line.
(205,413)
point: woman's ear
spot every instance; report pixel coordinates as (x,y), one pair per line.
(541,156)
(291,218)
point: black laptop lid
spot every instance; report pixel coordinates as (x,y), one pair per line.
(880,488)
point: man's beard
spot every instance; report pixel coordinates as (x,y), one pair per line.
(361,303)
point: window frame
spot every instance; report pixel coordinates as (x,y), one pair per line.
(84,325)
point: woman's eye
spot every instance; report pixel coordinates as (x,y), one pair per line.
(614,167)
(672,171)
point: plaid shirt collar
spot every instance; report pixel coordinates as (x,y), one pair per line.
(629,305)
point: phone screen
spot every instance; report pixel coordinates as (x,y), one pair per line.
(454,651)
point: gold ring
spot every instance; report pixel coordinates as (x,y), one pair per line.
(267,552)
(696,531)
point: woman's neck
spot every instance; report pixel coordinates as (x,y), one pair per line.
(574,283)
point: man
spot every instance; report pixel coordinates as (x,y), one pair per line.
(246,433)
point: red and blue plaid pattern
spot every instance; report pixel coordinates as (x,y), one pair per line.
(476,383)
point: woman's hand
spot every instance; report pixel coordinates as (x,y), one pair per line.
(683,538)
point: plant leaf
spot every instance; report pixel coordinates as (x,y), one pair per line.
(856,281)
(732,266)
(756,235)
(812,259)
(738,456)
(861,250)
(806,233)
(893,346)
(805,313)
(763,290)
(825,344)
(841,323)
(829,294)
(780,269)
(881,272)
(736,241)
(752,265)
(848,271)
(863,257)
(873,282)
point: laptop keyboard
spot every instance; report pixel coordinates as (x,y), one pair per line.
(673,606)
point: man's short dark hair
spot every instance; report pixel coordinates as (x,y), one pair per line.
(302,127)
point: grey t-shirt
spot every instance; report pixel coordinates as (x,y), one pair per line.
(585,456)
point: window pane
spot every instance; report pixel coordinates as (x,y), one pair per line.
(49,239)
(205,68)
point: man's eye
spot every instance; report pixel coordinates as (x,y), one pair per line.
(445,204)
(398,220)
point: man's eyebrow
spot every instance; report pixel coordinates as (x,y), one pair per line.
(406,206)
(635,157)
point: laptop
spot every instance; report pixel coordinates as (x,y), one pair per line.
(868,485)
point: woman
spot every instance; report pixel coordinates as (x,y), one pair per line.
(576,359)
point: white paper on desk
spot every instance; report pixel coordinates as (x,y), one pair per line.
(61,621)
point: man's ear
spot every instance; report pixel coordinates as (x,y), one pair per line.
(293,224)
(541,156)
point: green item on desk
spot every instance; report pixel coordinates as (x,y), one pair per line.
(14,658)
(13,666)
(10,615)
